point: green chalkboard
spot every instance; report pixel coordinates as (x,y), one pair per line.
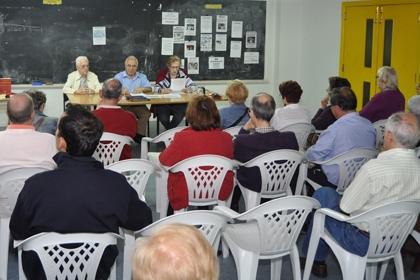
(41,42)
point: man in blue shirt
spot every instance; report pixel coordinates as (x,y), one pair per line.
(349,132)
(135,82)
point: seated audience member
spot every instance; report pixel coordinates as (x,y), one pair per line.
(41,122)
(414,106)
(237,113)
(265,139)
(115,119)
(378,182)
(21,145)
(79,196)
(349,132)
(203,137)
(390,100)
(175,252)
(163,85)
(82,81)
(135,82)
(292,112)
(324,116)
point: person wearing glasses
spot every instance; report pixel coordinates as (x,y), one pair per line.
(163,85)
(82,81)
(135,82)
(324,117)
(390,100)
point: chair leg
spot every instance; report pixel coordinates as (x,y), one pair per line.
(129,241)
(276,268)
(294,259)
(4,247)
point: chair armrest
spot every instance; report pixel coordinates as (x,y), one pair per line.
(145,147)
(226,211)
(333,214)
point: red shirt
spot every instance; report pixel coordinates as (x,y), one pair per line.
(118,121)
(188,143)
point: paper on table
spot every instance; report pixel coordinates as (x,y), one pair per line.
(178,84)
(138,94)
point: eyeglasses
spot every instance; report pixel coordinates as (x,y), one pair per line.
(131,66)
(174,67)
(84,66)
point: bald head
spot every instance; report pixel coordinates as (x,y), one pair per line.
(111,89)
(402,130)
(263,106)
(20,109)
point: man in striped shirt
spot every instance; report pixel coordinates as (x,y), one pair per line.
(393,176)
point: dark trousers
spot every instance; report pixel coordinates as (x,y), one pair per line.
(165,111)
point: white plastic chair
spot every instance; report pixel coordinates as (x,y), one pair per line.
(380,132)
(349,163)
(162,180)
(137,172)
(165,137)
(63,263)
(417,152)
(11,182)
(270,232)
(203,184)
(110,147)
(389,226)
(276,169)
(301,131)
(210,223)
(234,130)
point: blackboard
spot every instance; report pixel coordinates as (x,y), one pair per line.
(40,42)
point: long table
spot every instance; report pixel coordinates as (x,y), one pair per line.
(92,100)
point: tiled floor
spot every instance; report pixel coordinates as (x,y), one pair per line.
(227,266)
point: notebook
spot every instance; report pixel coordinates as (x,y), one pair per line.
(5,86)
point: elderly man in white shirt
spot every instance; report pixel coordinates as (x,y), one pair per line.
(393,176)
(82,81)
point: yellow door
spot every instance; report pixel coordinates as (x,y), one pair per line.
(401,22)
(359,49)
(374,36)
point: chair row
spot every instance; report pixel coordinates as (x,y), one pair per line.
(268,231)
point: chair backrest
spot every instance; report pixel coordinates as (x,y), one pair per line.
(110,147)
(277,169)
(280,222)
(165,137)
(417,152)
(210,223)
(12,182)
(137,172)
(389,226)
(234,130)
(380,131)
(204,175)
(63,263)
(301,131)
(349,163)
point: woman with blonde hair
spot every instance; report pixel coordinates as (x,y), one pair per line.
(237,113)
(390,100)
(175,252)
